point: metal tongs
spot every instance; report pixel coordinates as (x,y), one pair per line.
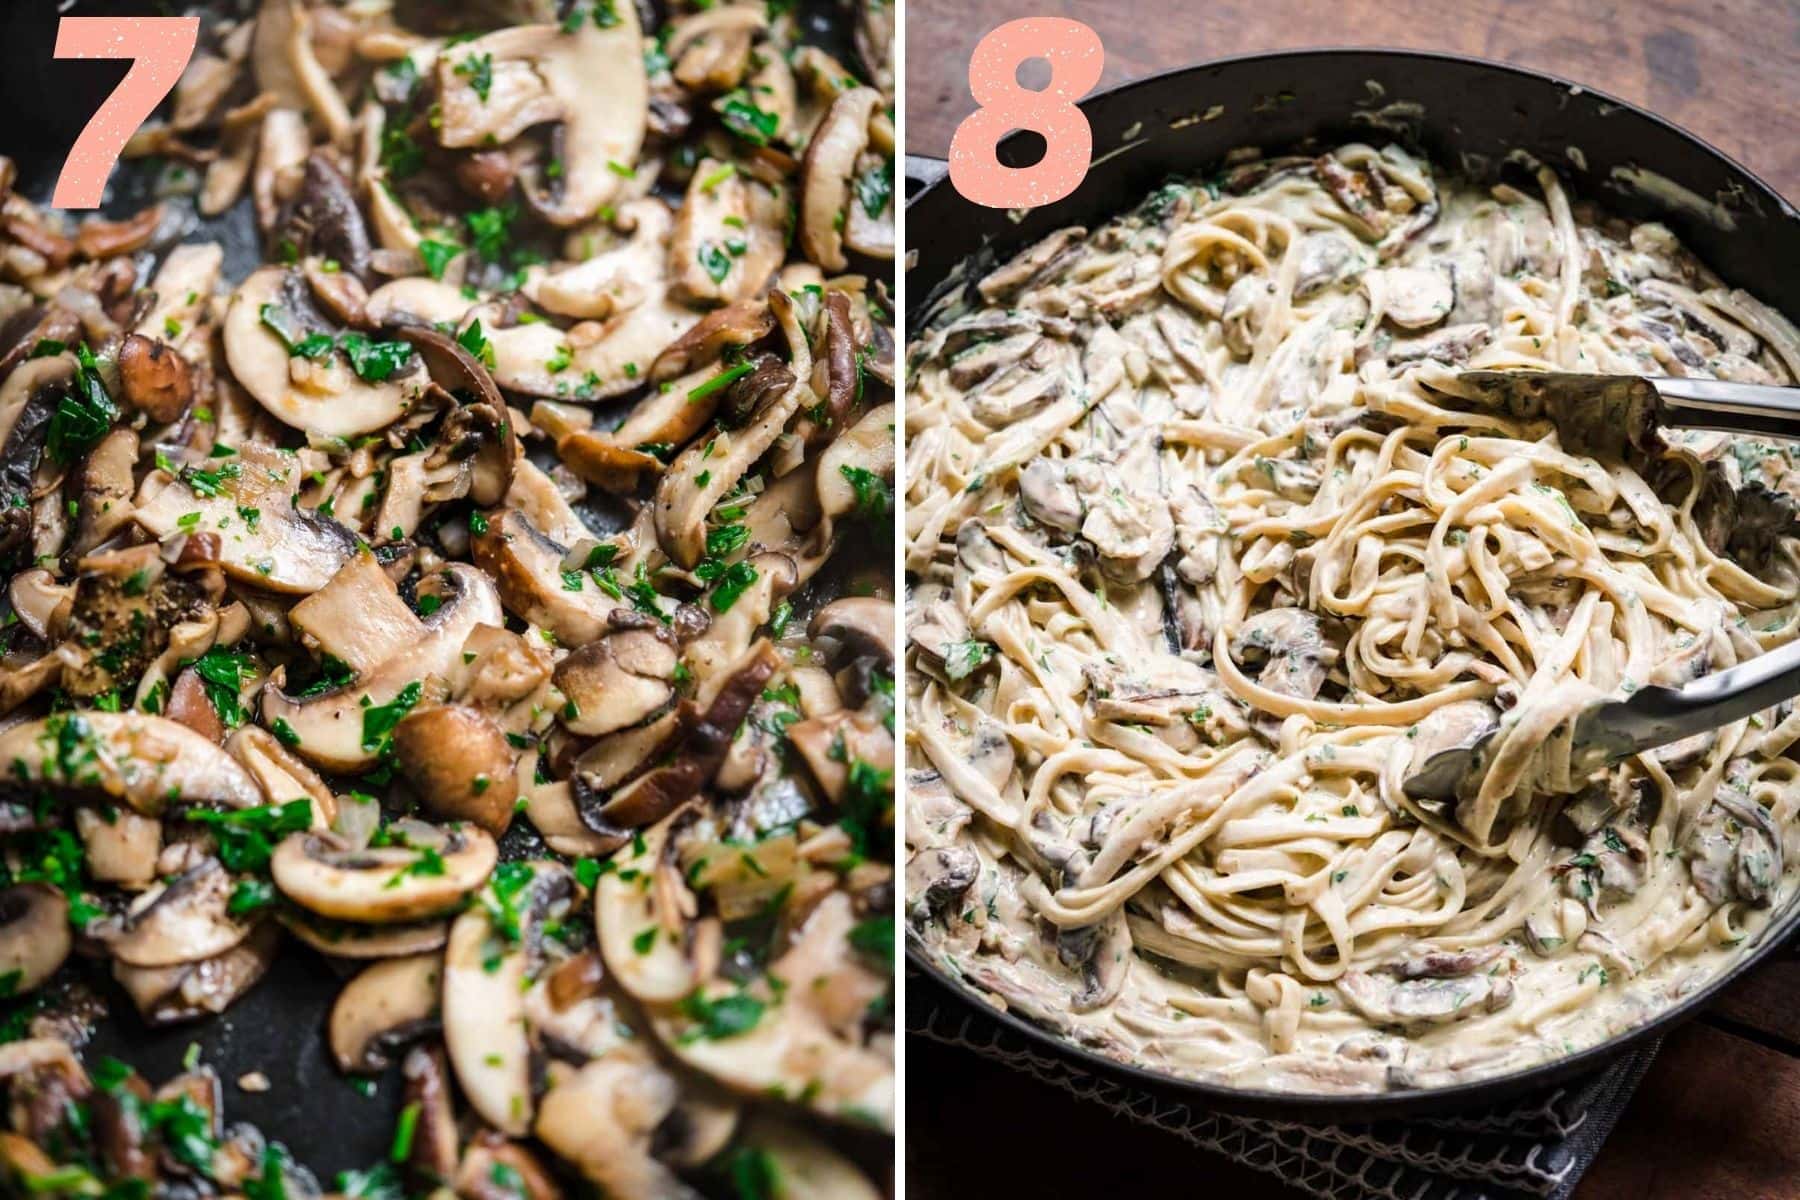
(1611,412)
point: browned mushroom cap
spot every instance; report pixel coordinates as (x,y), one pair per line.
(617,681)
(153,378)
(460,763)
(324,219)
(387,1005)
(34,935)
(741,324)
(863,624)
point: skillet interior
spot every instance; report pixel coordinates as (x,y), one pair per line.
(1459,111)
(329,1123)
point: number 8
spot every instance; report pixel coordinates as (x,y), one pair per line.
(1076,59)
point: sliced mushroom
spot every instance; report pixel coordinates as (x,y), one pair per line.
(526,566)
(494,1168)
(863,624)
(146,761)
(121,847)
(359,619)
(34,935)
(353,941)
(1291,644)
(826,174)
(1413,297)
(182,921)
(730,235)
(282,548)
(269,316)
(866,447)
(459,761)
(387,884)
(533,74)
(486,973)
(700,477)
(387,1005)
(188,991)
(617,681)
(825,996)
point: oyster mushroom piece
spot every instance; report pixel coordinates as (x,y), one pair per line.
(526,566)
(804,1047)
(145,761)
(609,278)
(388,1004)
(602,1119)
(827,172)
(29,397)
(628,915)
(708,468)
(730,235)
(34,935)
(617,681)
(458,760)
(533,74)
(807,1166)
(182,921)
(284,548)
(189,991)
(397,657)
(423,872)
(270,318)
(1292,646)
(861,453)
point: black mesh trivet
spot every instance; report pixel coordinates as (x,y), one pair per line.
(1535,1146)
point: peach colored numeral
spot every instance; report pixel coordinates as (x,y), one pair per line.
(1076,59)
(159,49)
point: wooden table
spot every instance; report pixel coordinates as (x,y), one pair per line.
(1718,1117)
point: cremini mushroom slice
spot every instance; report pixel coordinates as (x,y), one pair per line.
(385,1006)
(416,300)
(181,921)
(148,762)
(34,935)
(351,940)
(602,1118)
(458,760)
(280,772)
(827,174)
(306,372)
(421,872)
(496,948)
(617,680)
(397,660)
(638,916)
(597,359)
(527,567)
(807,1165)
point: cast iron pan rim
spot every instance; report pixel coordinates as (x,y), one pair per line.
(1410,1101)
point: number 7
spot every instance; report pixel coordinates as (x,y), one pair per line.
(159,49)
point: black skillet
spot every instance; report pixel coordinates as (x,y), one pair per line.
(278,1028)
(1459,111)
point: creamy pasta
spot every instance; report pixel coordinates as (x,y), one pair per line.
(1208,548)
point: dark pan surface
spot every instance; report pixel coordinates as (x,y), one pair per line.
(278,1028)
(1461,112)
